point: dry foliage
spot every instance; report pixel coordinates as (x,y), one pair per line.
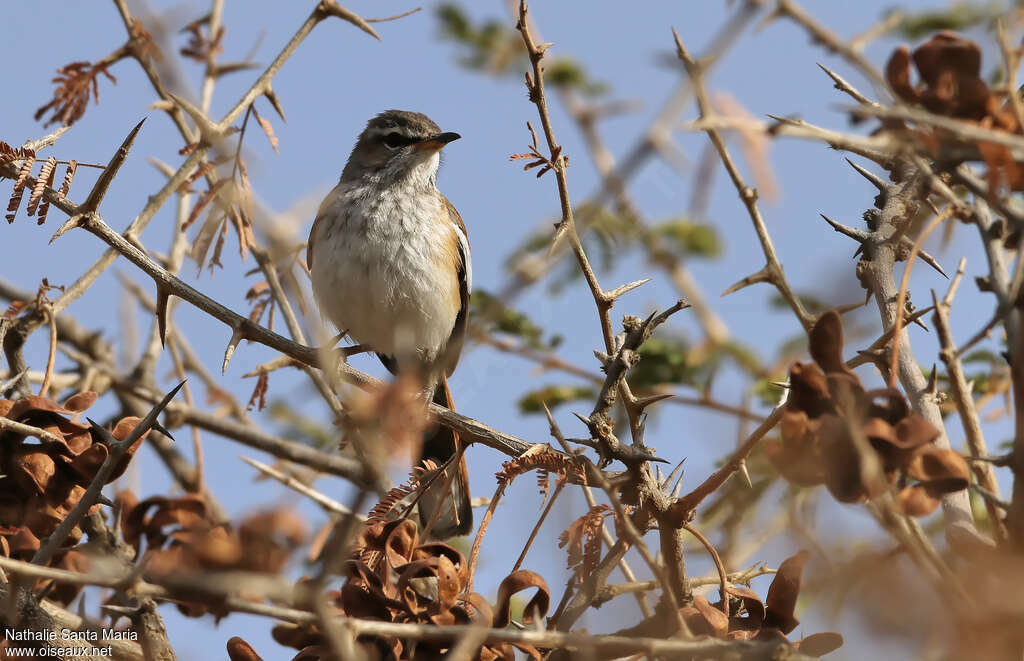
(859,442)
(381,586)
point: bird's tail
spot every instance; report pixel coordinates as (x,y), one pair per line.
(446,501)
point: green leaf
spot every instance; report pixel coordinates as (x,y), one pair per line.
(813,304)
(533,401)
(566,73)
(957,17)
(664,360)
(767,392)
(691,238)
(496,48)
(504,319)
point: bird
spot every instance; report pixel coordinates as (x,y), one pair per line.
(390,265)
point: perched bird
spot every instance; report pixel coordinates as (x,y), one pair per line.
(390,263)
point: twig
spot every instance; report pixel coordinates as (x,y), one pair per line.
(116,450)
(540,521)
(295,484)
(772,271)
(722,576)
(830,40)
(683,508)
(901,297)
(961,393)
(51,358)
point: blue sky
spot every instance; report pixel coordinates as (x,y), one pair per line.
(339,78)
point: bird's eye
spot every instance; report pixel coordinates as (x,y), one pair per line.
(395,140)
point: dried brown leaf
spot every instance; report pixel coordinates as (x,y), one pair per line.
(240,650)
(536,608)
(783,593)
(267,127)
(204,201)
(46,174)
(69,174)
(259,393)
(19,188)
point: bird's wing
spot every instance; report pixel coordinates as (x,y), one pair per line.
(454,346)
(320,214)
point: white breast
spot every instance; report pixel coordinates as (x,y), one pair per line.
(374,273)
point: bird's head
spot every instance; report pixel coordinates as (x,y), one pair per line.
(396,145)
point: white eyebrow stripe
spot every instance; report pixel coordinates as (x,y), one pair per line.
(467,263)
(385,130)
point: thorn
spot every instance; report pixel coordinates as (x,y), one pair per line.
(857,235)
(103,500)
(150,421)
(209,132)
(126,611)
(354,350)
(163,430)
(925,257)
(642,403)
(876,357)
(783,120)
(274,101)
(990,497)
(102,185)
(641,430)
(764,275)
(582,419)
(164,168)
(332,8)
(551,418)
(13,381)
(849,307)
(877,181)
(236,337)
(275,364)
(1001,460)
(780,384)
(162,298)
(602,357)
(618,292)
(745,474)
(672,475)
(678,488)
(69,224)
(101,431)
(560,229)
(831,74)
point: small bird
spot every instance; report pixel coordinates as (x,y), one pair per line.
(390,264)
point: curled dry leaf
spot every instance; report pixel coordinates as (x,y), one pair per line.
(536,608)
(240,650)
(949,68)
(856,442)
(394,577)
(783,592)
(749,619)
(42,481)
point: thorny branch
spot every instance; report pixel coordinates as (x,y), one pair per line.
(641,501)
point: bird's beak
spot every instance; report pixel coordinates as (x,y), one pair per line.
(436,142)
